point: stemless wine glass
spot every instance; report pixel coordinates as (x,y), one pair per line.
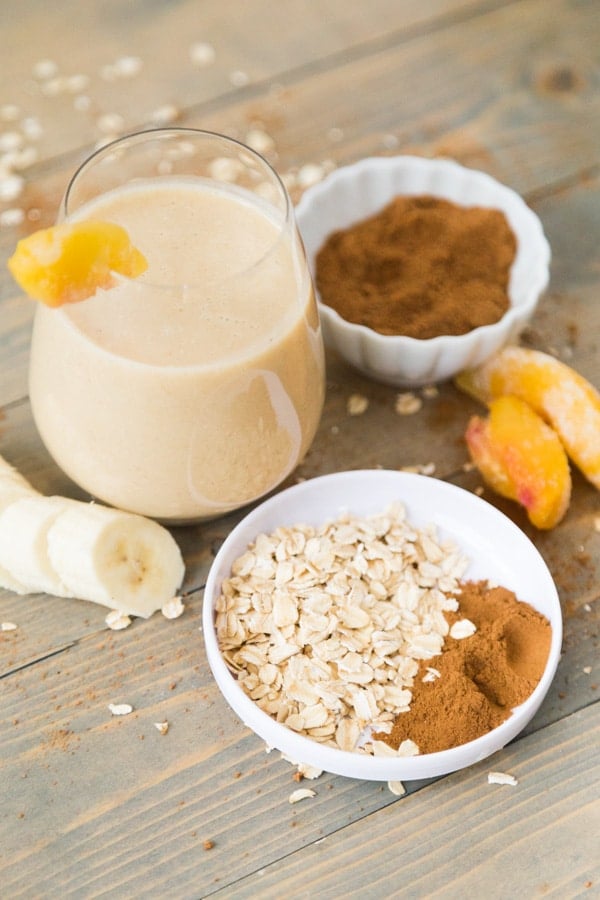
(197,387)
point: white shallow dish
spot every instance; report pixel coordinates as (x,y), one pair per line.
(355,192)
(499,550)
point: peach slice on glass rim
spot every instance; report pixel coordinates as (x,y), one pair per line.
(69,262)
(563,397)
(522,458)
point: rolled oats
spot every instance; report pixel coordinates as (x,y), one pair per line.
(117,620)
(301,794)
(357,404)
(173,608)
(464,628)
(120,709)
(397,788)
(407,404)
(501,778)
(324,626)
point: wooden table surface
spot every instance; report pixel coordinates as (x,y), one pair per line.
(97,806)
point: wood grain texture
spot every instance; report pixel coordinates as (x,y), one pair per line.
(100,806)
(463,837)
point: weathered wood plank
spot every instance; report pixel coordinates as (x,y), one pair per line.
(462,837)
(115,800)
(95,805)
(554,119)
(90,802)
(252,45)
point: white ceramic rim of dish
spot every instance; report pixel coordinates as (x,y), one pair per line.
(521,569)
(352,193)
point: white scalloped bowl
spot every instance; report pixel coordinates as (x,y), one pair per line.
(499,552)
(355,192)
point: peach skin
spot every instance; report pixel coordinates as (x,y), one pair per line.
(522,458)
(69,262)
(567,402)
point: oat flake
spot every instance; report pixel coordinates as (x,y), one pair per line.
(464,628)
(44,69)
(9,112)
(431,674)
(120,709)
(501,778)
(173,608)
(11,217)
(259,140)
(397,788)
(202,53)
(357,404)
(407,404)
(161,727)
(310,174)
(116,620)
(10,187)
(110,123)
(162,115)
(301,794)
(239,78)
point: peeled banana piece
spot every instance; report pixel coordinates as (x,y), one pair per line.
(24,527)
(118,559)
(72,549)
(12,487)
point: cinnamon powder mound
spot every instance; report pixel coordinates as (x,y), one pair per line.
(482,677)
(422,267)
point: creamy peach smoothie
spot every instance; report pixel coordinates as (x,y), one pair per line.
(184,402)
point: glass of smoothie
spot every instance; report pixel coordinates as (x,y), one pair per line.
(197,387)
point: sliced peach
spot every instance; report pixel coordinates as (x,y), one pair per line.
(69,262)
(569,403)
(522,458)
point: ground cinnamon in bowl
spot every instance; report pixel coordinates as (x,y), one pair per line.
(421,267)
(476,682)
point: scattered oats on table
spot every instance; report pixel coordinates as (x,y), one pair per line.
(173,608)
(407,404)
(202,54)
(430,391)
(397,788)
(420,469)
(120,709)
(357,404)
(501,778)
(117,620)
(259,140)
(301,794)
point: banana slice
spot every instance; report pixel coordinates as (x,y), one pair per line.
(73,549)
(12,487)
(24,527)
(120,560)
(11,482)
